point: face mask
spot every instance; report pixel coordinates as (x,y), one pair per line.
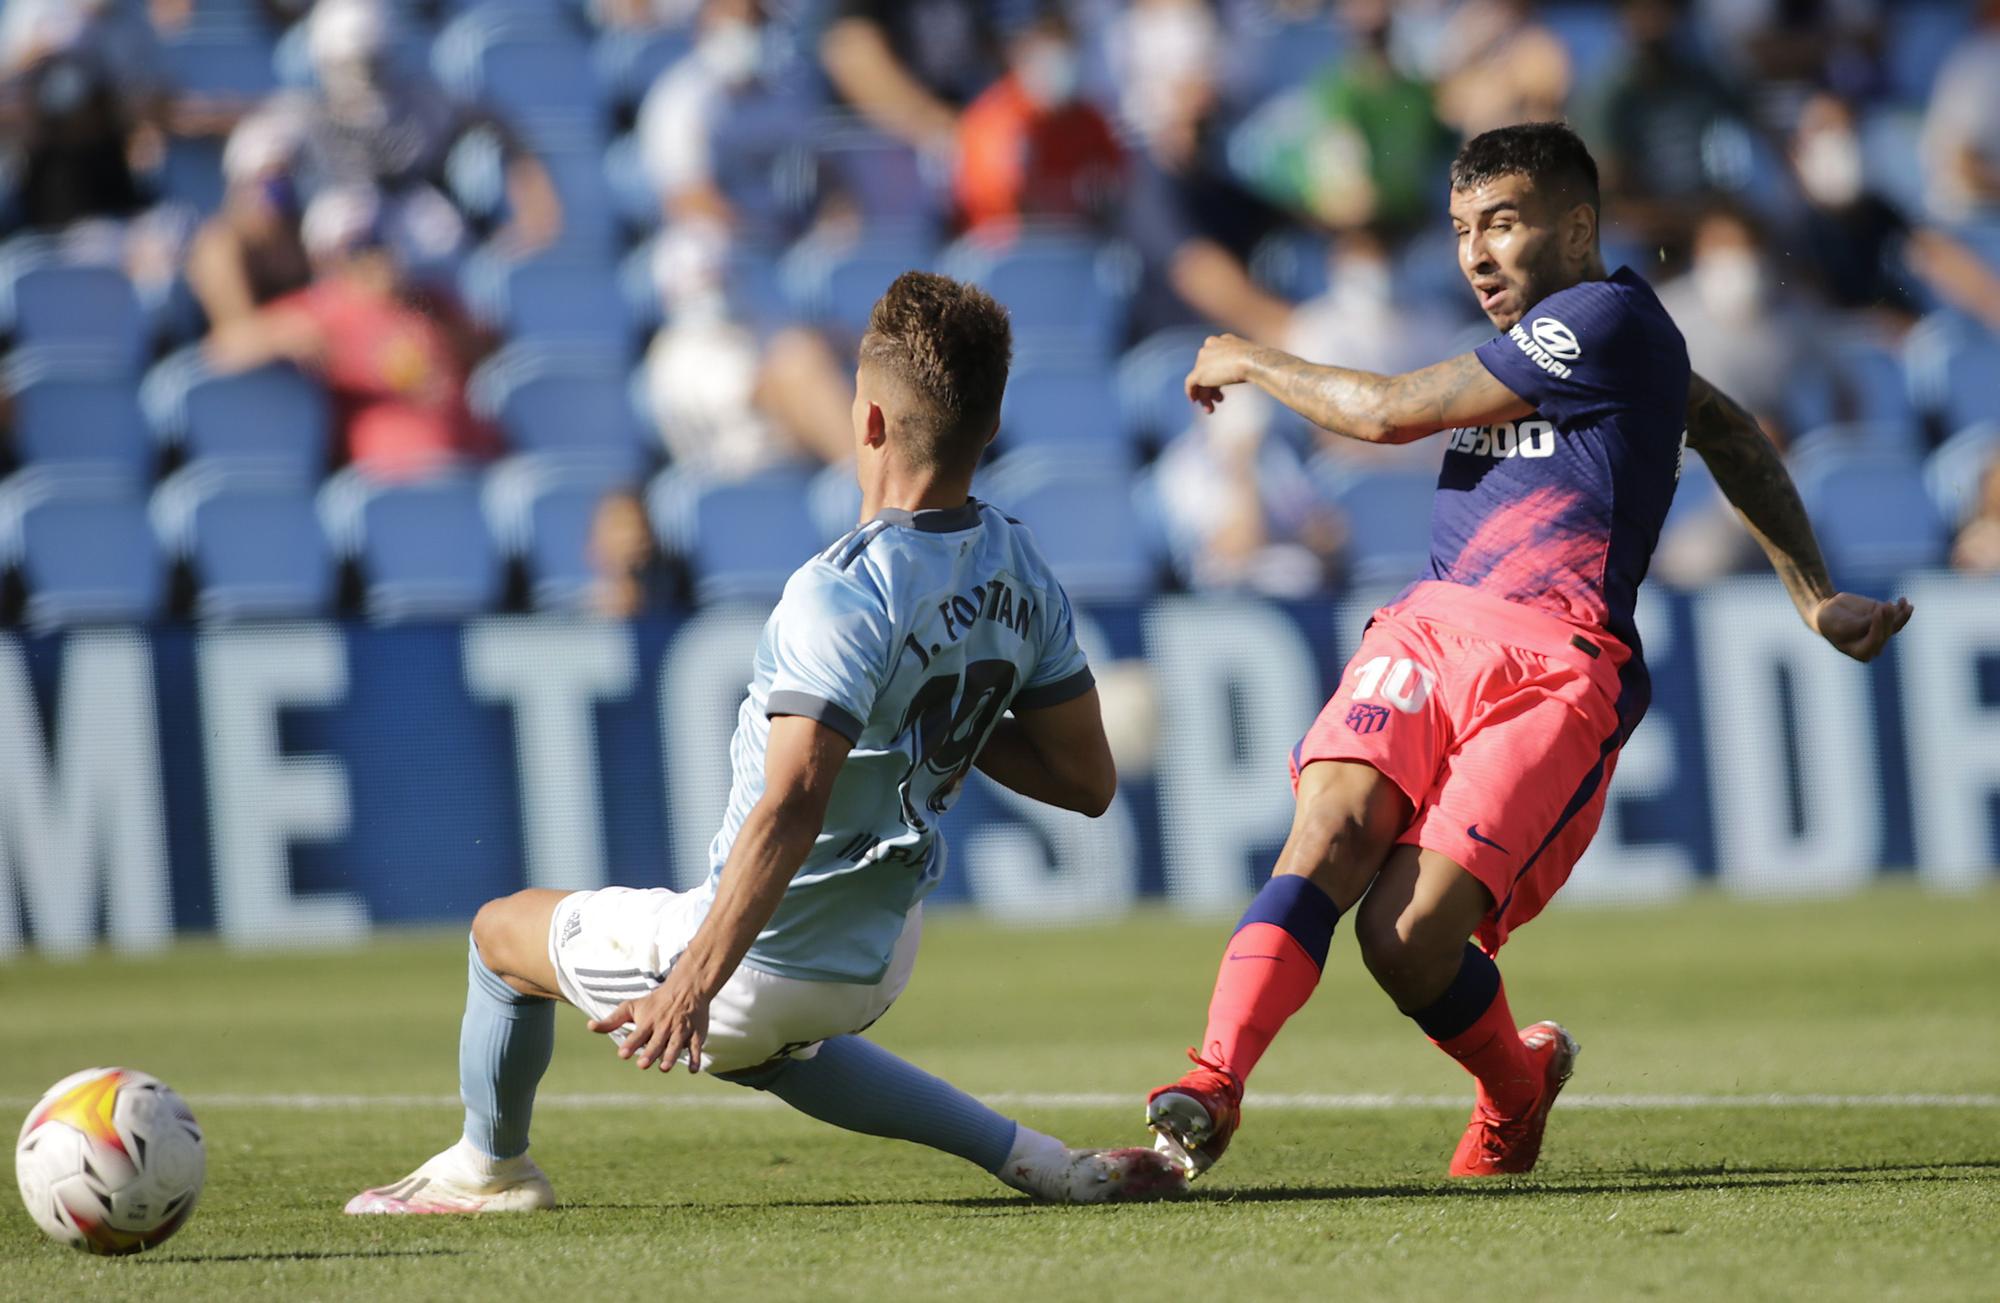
(1730,283)
(1830,167)
(732,51)
(1049,75)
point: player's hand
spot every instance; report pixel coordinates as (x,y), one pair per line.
(1223,360)
(1860,626)
(668,1021)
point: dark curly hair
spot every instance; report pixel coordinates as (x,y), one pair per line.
(1550,154)
(948,346)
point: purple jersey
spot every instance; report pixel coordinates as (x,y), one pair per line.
(1560,510)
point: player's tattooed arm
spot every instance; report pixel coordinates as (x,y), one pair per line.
(1359,404)
(1754,479)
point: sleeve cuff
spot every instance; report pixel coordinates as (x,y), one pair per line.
(1044,695)
(807,706)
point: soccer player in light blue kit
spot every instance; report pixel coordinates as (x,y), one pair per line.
(887,672)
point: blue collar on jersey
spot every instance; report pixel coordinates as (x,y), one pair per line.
(938,520)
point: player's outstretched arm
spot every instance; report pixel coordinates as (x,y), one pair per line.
(801,760)
(1753,477)
(1358,404)
(1057,755)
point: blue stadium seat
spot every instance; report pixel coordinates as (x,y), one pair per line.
(834,499)
(525,64)
(82,547)
(740,539)
(1593,34)
(1150,382)
(592,221)
(78,410)
(47,301)
(1871,511)
(1954,370)
(1388,515)
(223,59)
(252,541)
(628,62)
(1081,511)
(1060,407)
(1876,389)
(1920,36)
(1955,473)
(883,178)
(190,172)
(561,404)
(550,300)
(1062,290)
(1282,54)
(1843,438)
(422,548)
(542,513)
(275,417)
(839,286)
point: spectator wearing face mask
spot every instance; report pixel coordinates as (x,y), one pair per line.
(1028,147)
(251,252)
(1747,333)
(1239,510)
(371,124)
(714,128)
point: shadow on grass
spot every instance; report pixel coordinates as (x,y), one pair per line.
(300,1255)
(1656,1181)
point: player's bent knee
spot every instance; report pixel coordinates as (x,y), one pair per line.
(1407,949)
(511,932)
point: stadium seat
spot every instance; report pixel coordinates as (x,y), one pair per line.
(1285,53)
(1920,37)
(551,299)
(561,404)
(1954,371)
(1150,382)
(1388,515)
(834,500)
(1871,511)
(1845,438)
(1875,387)
(251,540)
(629,61)
(1955,473)
(1062,406)
(44,300)
(80,543)
(422,549)
(1063,291)
(1081,512)
(78,410)
(190,173)
(275,417)
(839,286)
(740,539)
(223,58)
(542,513)
(883,178)
(529,65)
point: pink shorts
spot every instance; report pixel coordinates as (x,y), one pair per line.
(1501,725)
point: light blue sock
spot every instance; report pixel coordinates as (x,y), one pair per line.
(860,1086)
(504,1047)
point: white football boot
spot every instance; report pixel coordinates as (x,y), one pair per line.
(1045,1168)
(462,1180)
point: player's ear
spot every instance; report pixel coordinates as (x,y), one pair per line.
(877,432)
(1580,231)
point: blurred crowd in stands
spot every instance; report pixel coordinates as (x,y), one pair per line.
(432,307)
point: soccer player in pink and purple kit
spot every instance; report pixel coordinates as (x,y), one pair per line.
(1460,769)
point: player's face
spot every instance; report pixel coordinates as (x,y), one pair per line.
(1508,246)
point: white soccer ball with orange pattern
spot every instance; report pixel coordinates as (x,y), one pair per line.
(110,1161)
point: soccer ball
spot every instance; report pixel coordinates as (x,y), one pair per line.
(110,1161)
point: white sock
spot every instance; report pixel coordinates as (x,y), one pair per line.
(1033,1159)
(469,1159)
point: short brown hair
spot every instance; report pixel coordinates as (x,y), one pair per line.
(949,345)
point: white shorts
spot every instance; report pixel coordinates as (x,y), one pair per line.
(612,945)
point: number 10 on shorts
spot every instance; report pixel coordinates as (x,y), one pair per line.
(1402,683)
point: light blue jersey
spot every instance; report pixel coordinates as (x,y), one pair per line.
(911,636)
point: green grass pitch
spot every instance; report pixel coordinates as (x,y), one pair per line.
(1893,993)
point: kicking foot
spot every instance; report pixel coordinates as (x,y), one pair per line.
(1497,1145)
(460,1180)
(1193,1119)
(1096,1176)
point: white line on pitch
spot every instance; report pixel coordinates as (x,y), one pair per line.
(307,1103)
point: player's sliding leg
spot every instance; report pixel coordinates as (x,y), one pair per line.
(856,1085)
(1412,929)
(1348,817)
(504,1045)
